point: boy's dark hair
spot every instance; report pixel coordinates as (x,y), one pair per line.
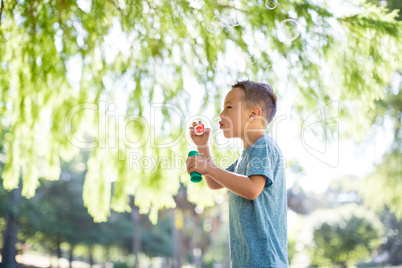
(261,95)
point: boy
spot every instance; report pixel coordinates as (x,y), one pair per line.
(256,181)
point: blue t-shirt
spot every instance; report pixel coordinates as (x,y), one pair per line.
(258,228)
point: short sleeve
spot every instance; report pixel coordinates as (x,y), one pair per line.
(231,168)
(262,162)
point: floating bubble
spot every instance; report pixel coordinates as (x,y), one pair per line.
(185,95)
(215,65)
(271,4)
(288,30)
(266,66)
(201,69)
(215,26)
(252,59)
(230,20)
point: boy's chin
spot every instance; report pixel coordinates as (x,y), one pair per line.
(228,134)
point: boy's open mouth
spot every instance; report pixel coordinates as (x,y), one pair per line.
(220,124)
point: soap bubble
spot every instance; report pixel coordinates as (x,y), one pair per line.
(230,19)
(215,26)
(252,59)
(201,69)
(266,66)
(288,30)
(215,65)
(271,4)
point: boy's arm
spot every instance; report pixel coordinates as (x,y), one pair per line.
(247,187)
(204,152)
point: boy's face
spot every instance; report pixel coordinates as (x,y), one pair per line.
(234,115)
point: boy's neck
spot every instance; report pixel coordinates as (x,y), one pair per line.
(251,137)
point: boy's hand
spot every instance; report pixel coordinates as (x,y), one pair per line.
(198,164)
(200,140)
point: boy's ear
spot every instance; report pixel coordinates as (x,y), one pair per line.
(255,113)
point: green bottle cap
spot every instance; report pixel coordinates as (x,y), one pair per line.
(194,176)
(193,153)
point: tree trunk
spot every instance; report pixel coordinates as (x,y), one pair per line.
(107,257)
(176,241)
(58,252)
(91,258)
(10,233)
(135,215)
(50,257)
(71,256)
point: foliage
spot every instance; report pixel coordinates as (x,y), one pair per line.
(385,181)
(393,238)
(157,241)
(62,60)
(391,4)
(345,235)
(56,215)
(339,221)
(121,265)
(56,219)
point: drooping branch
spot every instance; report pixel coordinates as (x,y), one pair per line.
(31,12)
(1,9)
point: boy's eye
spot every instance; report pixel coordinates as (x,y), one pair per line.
(228,107)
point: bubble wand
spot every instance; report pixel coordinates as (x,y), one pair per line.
(198,130)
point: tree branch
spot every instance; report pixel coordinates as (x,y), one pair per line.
(117,6)
(1,9)
(31,12)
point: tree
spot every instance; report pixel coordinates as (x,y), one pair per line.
(385,181)
(391,4)
(9,203)
(349,235)
(56,215)
(392,242)
(9,250)
(60,66)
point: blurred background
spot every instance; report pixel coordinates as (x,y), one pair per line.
(96,98)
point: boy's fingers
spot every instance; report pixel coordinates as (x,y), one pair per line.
(205,129)
(190,169)
(194,124)
(190,161)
